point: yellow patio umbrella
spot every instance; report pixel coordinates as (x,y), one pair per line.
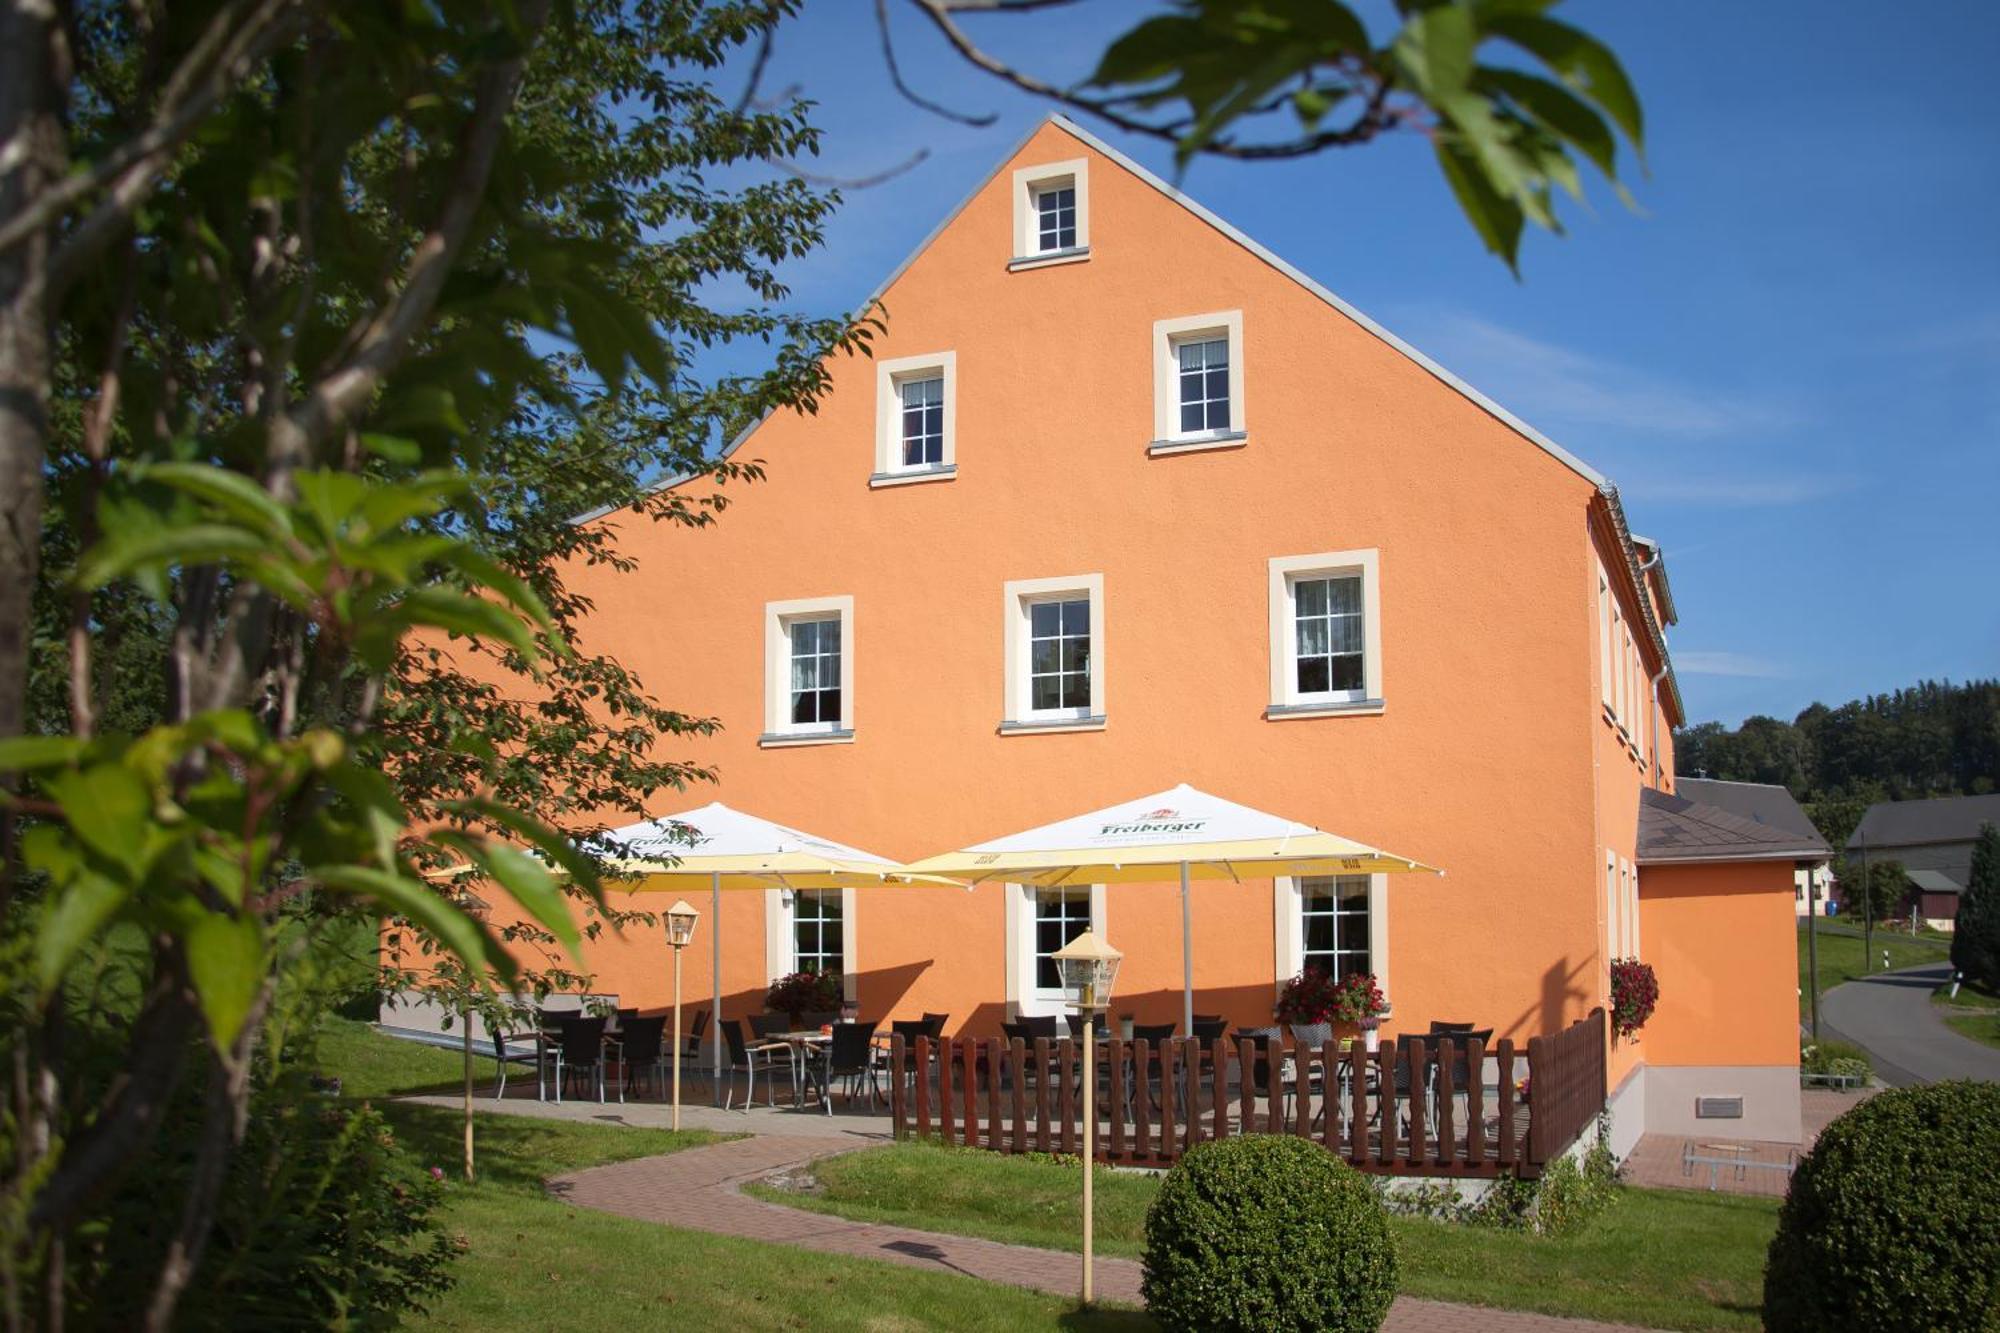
(727,849)
(1202,836)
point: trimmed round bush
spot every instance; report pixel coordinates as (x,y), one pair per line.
(1893,1218)
(1267,1232)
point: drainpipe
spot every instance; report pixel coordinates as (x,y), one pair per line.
(1653,691)
(1652,707)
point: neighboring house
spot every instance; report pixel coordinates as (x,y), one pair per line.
(1122,500)
(1770,804)
(1933,841)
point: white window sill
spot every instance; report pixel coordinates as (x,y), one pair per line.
(1021,263)
(912,476)
(1344,708)
(785,740)
(1234,439)
(1036,726)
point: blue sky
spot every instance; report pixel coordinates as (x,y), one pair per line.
(1789,360)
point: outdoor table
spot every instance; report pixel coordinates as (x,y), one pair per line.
(800,1042)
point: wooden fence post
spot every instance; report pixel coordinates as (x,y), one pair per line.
(896,1068)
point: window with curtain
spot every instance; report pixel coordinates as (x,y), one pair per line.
(1328,622)
(1335,912)
(818,942)
(923,421)
(1059,655)
(816,671)
(1204,384)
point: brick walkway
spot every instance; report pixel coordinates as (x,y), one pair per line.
(701,1189)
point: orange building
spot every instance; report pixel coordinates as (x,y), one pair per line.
(1122,501)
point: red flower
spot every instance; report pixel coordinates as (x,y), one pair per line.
(1634,993)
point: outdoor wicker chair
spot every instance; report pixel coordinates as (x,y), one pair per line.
(747,1058)
(579,1051)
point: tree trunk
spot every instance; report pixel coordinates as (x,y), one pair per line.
(34,69)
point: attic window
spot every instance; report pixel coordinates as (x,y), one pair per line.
(1051,214)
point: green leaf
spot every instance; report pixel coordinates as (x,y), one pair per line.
(122,553)
(331,497)
(81,908)
(109,809)
(235,494)
(549,842)
(476,565)
(1434,51)
(1584,63)
(392,448)
(397,894)
(1497,219)
(1559,111)
(521,875)
(27,753)
(459,613)
(225,955)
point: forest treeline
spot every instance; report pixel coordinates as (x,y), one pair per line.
(1935,738)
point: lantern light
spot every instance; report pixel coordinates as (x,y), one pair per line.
(680,923)
(1088,967)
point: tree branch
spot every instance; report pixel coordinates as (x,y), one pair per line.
(896,77)
(1376,117)
(220,60)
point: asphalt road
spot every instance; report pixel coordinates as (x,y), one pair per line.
(1890,1015)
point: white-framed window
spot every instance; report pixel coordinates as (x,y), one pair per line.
(1620,673)
(1061,915)
(1630,923)
(818,931)
(1338,923)
(916,419)
(1051,214)
(1334,914)
(1039,922)
(811,930)
(1053,638)
(1604,637)
(1611,904)
(1198,383)
(1326,633)
(808,671)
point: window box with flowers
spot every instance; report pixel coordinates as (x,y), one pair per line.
(802,993)
(1354,1001)
(1635,991)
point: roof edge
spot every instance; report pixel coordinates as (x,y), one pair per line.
(1723,858)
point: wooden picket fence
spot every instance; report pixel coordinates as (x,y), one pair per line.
(1390,1111)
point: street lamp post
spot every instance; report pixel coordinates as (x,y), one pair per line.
(680,932)
(1088,966)
(479,910)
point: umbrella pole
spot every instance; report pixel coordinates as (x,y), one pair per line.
(1187,957)
(715,982)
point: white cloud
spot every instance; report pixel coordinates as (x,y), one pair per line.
(1556,387)
(1722,663)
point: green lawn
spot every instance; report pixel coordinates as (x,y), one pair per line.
(1663,1258)
(1975,1013)
(1840,954)
(532,1262)
(373,1065)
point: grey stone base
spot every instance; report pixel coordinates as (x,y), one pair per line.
(1770,1096)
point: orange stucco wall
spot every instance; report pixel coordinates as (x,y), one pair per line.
(1722,940)
(1489,760)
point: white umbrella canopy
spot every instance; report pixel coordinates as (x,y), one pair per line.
(734,850)
(728,849)
(1199,835)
